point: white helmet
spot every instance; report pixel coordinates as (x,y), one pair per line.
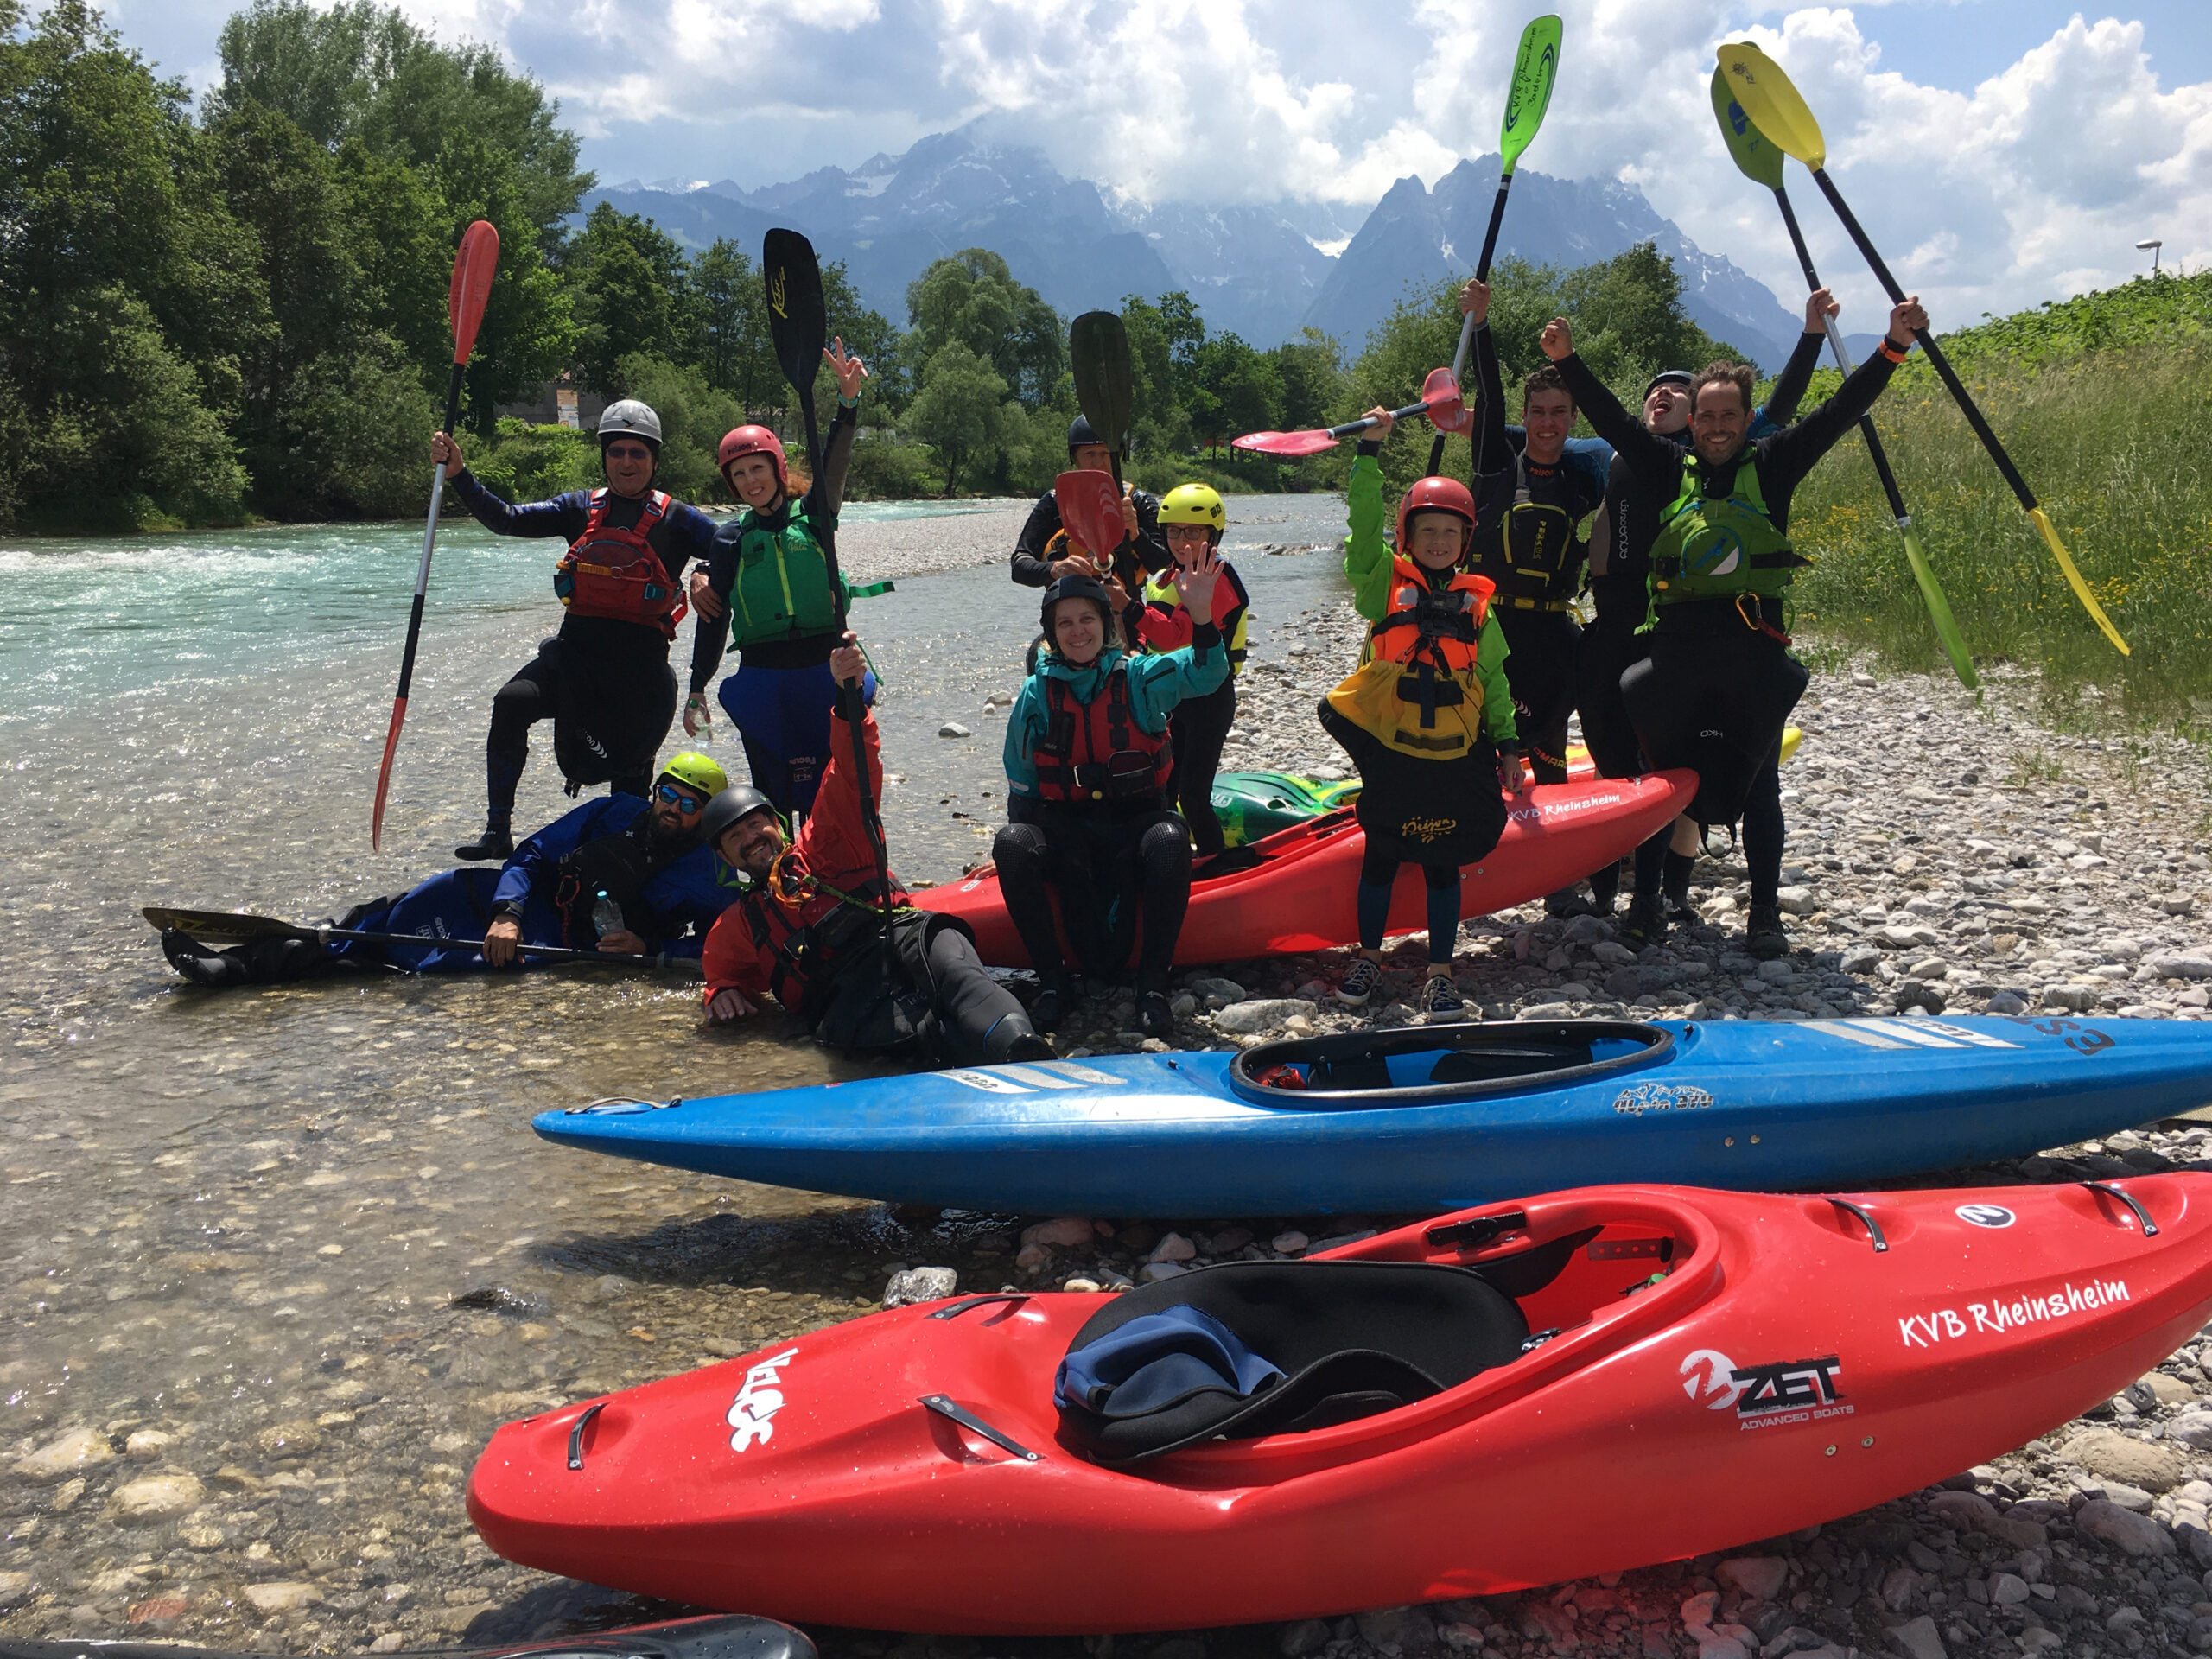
(629,418)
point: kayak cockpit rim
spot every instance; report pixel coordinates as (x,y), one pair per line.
(1354,1070)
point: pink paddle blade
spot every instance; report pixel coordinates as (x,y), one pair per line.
(474,264)
(1285,443)
(1090,511)
(1447,409)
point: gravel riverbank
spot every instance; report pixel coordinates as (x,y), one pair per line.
(278,1263)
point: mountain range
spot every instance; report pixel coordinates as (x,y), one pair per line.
(1262,270)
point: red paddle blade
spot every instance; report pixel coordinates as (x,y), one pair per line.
(383,774)
(1447,409)
(1090,511)
(474,263)
(1285,443)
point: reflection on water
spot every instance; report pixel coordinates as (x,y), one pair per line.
(279,1260)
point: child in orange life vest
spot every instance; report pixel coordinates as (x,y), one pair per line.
(1427,718)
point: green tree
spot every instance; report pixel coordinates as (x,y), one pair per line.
(694,415)
(635,294)
(972,299)
(736,353)
(1232,390)
(960,411)
(1311,368)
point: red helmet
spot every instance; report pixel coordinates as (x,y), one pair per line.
(1437,495)
(756,441)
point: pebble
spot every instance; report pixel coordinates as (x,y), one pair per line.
(156,1497)
(78,1449)
(286,1597)
(1263,1013)
(919,1285)
(954,728)
(1174,1247)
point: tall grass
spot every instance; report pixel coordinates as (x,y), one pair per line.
(2113,439)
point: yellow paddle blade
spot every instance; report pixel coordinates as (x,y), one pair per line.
(1773,104)
(2073,581)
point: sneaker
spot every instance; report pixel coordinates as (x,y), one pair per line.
(497,842)
(1645,923)
(1359,984)
(1763,934)
(1052,1003)
(1154,1017)
(1441,1000)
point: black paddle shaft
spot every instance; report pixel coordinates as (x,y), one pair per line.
(799,320)
(1482,275)
(1949,376)
(1865,421)
(414,613)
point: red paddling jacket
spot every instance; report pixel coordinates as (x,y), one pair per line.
(784,935)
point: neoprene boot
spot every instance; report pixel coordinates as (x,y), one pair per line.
(1014,1038)
(1052,1003)
(497,842)
(1674,884)
(1567,901)
(1605,888)
(1763,933)
(1154,1017)
(1645,923)
(200,964)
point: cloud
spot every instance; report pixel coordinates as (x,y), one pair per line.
(2037,182)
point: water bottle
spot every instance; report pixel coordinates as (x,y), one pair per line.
(606,914)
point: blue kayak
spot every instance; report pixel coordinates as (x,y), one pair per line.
(1436,1118)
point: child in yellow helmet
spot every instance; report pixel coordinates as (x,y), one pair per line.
(1192,519)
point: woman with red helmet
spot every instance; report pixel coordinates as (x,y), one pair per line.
(1427,718)
(767,572)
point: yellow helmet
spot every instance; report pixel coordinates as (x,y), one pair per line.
(695,772)
(1195,504)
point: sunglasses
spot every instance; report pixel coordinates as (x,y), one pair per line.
(628,452)
(682,800)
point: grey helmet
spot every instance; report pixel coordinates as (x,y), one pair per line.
(629,419)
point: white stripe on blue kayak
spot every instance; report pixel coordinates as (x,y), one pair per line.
(1979,1039)
(1035,1076)
(1080,1073)
(1906,1031)
(1837,1028)
(986,1081)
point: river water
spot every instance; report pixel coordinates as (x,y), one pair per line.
(238,1398)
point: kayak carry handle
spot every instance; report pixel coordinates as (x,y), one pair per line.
(1874,1227)
(953,1311)
(968,1419)
(2150,1227)
(576,1435)
(1478,1230)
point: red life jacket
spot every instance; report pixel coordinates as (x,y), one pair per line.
(803,925)
(1441,625)
(616,574)
(1095,751)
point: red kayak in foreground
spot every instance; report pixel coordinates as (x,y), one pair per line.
(1734,1365)
(1302,894)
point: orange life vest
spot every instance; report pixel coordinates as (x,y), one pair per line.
(1441,626)
(616,574)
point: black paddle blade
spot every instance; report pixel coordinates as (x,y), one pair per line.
(799,322)
(221,923)
(1105,385)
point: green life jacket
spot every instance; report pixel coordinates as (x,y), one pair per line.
(1716,548)
(781,590)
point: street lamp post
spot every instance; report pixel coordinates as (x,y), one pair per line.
(2152,247)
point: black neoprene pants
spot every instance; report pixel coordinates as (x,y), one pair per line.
(609,718)
(970,1003)
(1196,732)
(1545,650)
(1109,864)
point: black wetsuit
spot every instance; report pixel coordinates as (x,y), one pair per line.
(605,684)
(1531,606)
(1715,690)
(1620,576)
(1146,552)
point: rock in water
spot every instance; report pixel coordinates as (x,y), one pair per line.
(157,1498)
(953,728)
(78,1450)
(919,1285)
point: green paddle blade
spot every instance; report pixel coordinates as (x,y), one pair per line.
(1105,385)
(1773,104)
(798,320)
(1535,65)
(1756,156)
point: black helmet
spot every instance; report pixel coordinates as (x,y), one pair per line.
(738,801)
(1088,588)
(1079,433)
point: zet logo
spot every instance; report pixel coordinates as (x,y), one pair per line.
(1710,1377)
(1985,1215)
(778,282)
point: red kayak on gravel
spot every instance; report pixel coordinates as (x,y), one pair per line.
(1302,894)
(1420,1415)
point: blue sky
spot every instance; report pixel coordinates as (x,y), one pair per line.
(2002,152)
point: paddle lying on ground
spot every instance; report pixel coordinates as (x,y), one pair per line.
(1105,390)
(1441,402)
(474,263)
(223,924)
(798,323)
(1775,107)
(1760,160)
(1535,66)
